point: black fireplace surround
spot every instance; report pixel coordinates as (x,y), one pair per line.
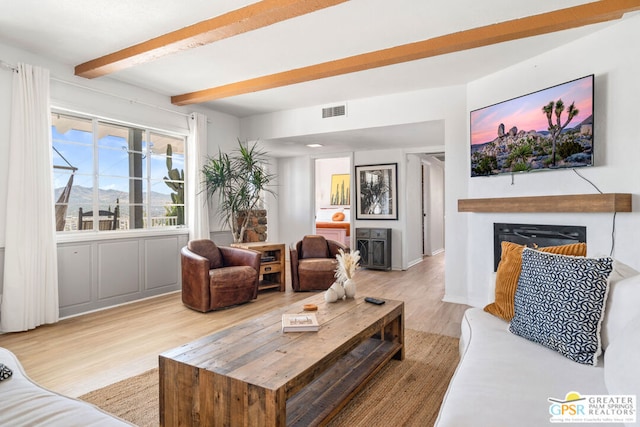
(534,236)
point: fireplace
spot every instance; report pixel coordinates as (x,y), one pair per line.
(533,236)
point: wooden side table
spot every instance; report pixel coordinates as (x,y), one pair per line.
(272,266)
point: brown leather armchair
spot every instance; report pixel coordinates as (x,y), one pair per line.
(215,277)
(313,263)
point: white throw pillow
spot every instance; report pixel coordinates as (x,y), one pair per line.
(623,302)
(325,214)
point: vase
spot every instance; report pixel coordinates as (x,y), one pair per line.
(350,288)
(330,295)
(337,287)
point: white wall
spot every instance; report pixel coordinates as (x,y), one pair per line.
(413,203)
(295,199)
(615,60)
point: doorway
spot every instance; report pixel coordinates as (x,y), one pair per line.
(432,204)
(333,198)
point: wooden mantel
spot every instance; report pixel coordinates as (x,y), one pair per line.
(586,203)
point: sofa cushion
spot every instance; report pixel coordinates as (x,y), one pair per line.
(505,380)
(231,285)
(622,371)
(317,273)
(623,302)
(560,303)
(25,403)
(509,271)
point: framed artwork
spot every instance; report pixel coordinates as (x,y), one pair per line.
(340,191)
(377,191)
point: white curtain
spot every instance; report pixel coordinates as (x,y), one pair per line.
(30,288)
(197,206)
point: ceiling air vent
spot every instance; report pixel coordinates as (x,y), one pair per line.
(338,110)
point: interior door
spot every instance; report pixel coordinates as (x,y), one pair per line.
(433,204)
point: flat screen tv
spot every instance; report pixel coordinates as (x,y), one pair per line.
(544,130)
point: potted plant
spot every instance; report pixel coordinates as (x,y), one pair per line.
(239,180)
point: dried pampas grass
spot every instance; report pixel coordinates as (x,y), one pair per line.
(347,265)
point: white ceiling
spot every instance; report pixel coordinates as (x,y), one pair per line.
(75,31)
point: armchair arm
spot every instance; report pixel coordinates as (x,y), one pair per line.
(293,261)
(334,246)
(242,257)
(195,280)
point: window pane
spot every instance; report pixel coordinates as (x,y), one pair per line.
(168,201)
(132,216)
(134,177)
(72,153)
(163,216)
(64,181)
(157,167)
(107,218)
(113,162)
(113,190)
(167,180)
(118,136)
(72,150)
(159,144)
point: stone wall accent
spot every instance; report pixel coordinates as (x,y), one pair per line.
(257,228)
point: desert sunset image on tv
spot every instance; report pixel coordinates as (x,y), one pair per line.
(548,129)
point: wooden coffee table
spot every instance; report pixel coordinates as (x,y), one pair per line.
(254,374)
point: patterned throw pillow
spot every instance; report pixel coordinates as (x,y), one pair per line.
(4,372)
(560,302)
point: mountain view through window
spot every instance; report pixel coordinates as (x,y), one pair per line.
(131,176)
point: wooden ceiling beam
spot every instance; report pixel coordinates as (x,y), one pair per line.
(563,19)
(248,18)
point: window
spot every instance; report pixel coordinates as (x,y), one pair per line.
(131,176)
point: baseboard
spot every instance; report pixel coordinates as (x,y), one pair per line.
(458,299)
(117,305)
(414,262)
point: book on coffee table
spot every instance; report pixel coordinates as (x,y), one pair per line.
(306,322)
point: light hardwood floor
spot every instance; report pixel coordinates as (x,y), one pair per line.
(84,353)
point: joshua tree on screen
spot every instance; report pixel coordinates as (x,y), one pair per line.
(556,129)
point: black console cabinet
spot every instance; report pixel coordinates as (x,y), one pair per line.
(374,245)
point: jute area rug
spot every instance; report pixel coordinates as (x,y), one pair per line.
(407,393)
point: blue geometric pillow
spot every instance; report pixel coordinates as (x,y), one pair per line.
(560,303)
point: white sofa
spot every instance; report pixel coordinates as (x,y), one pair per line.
(25,403)
(505,380)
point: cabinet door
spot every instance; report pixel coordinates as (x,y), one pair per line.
(378,253)
(363,247)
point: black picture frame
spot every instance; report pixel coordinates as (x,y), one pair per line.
(377,191)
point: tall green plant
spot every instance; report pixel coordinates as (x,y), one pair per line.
(175,182)
(238,179)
